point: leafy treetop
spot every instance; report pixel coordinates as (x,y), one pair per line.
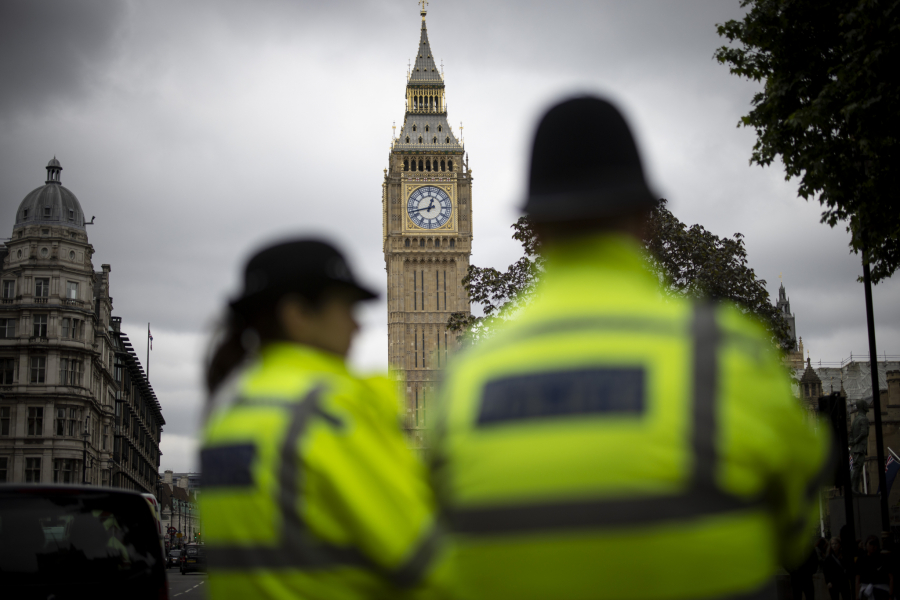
(829,108)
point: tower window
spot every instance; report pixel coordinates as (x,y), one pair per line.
(452,243)
(414,127)
(427,165)
(407,242)
(440,129)
(407,139)
(426,129)
(25,214)
(413,165)
(434,141)
(71,215)
(449,165)
(421,166)
(422,243)
(406,162)
(46,211)
(420,139)
(443,166)
(447,141)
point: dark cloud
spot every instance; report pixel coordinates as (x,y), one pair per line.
(53,52)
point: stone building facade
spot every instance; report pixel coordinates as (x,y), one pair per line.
(427,237)
(69,381)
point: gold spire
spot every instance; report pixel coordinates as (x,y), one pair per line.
(424,3)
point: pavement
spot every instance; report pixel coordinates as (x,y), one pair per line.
(190,586)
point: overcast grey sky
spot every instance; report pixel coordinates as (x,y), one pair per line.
(196,131)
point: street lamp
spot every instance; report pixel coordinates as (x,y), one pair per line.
(84,435)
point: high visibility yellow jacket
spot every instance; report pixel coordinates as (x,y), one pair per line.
(612,443)
(309,488)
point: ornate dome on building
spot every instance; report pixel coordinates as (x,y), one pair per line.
(50,204)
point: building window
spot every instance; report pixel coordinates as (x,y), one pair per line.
(72,328)
(64,470)
(71,215)
(40,326)
(9,289)
(7,370)
(72,290)
(33,470)
(105,436)
(4,420)
(69,371)
(452,243)
(407,243)
(104,477)
(4,465)
(35,420)
(45,252)
(46,211)
(7,328)
(38,369)
(42,286)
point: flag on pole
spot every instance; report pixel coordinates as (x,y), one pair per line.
(891,468)
(150,335)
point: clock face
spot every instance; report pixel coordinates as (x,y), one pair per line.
(429,207)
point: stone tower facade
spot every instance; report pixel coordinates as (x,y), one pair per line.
(427,237)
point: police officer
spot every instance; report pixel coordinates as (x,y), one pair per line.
(613,442)
(309,488)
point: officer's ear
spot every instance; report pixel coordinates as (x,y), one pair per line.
(295,315)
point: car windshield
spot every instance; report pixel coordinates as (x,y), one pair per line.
(74,538)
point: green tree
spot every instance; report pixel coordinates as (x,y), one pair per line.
(689,262)
(829,108)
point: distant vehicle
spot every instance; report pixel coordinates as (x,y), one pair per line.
(67,541)
(193,558)
(174,558)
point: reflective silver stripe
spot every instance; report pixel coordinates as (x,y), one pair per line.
(412,571)
(600,514)
(705,333)
(701,498)
(298,548)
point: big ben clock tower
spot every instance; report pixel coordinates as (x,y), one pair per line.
(427,225)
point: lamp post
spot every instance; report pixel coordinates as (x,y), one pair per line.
(84,435)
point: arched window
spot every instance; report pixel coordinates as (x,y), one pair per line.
(443,166)
(420,139)
(453,243)
(406,164)
(421,166)
(422,243)
(407,242)
(407,139)
(413,165)
(447,141)
(414,126)
(426,129)
(440,129)
(449,165)
(434,140)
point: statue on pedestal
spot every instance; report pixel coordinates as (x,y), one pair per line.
(859,445)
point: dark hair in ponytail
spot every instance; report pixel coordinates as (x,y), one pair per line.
(241,334)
